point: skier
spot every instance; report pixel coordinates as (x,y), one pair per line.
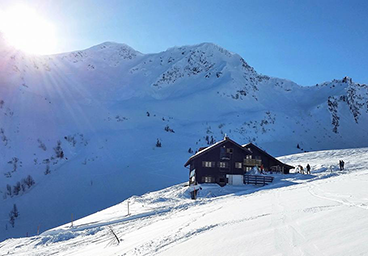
(342,164)
(308,169)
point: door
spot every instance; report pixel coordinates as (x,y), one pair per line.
(235,179)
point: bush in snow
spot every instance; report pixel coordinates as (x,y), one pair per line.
(29,181)
(15,211)
(71,140)
(58,150)
(47,171)
(11,220)
(14,162)
(8,174)
(41,145)
(168,129)
(20,186)
(209,140)
(158,143)
(9,190)
(3,137)
(13,215)
(16,188)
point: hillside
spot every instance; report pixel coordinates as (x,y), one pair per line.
(318,214)
(84,125)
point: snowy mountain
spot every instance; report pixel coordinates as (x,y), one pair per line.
(78,131)
(318,214)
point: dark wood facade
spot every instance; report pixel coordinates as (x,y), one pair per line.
(269,163)
(226,162)
(217,162)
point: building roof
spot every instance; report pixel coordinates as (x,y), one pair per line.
(251,144)
(217,144)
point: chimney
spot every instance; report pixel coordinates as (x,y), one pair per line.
(226,137)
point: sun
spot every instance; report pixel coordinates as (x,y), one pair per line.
(26,30)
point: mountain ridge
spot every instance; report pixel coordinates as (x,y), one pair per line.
(105,108)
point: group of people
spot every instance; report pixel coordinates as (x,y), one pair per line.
(307,168)
(300,168)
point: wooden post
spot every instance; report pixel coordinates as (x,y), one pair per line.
(128,207)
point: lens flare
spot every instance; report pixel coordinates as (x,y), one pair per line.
(24,29)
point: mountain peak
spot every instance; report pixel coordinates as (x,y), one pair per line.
(347,79)
(112,46)
(207,47)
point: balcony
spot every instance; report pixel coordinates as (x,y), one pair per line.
(224,156)
(252,162)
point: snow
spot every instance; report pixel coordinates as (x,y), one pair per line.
(323,213)
(95,102)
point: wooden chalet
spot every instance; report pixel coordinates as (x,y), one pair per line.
(268,162)
(226,162)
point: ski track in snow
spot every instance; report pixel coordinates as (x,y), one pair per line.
(317,214)
(109,104)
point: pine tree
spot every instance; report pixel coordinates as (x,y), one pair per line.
(47,171)
(13,215)
(29,181)
(15,211)
(16,188)
(11,220)
(58,150)
(212,140)
(9,190)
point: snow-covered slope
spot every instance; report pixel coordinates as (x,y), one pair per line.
(319,214)
(84,125)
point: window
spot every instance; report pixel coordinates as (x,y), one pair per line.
(248,169)
(223,164)
(207,179)
(208,164)
(229,150)
(238,165)
(248,157)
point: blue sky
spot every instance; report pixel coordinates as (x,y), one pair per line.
(307,42)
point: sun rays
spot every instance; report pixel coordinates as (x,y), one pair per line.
(24,29)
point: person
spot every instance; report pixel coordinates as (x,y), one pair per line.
(301,170)
(308,169)
(341,164)
(262,169)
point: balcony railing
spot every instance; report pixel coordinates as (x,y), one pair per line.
(252,162)
(225,156)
